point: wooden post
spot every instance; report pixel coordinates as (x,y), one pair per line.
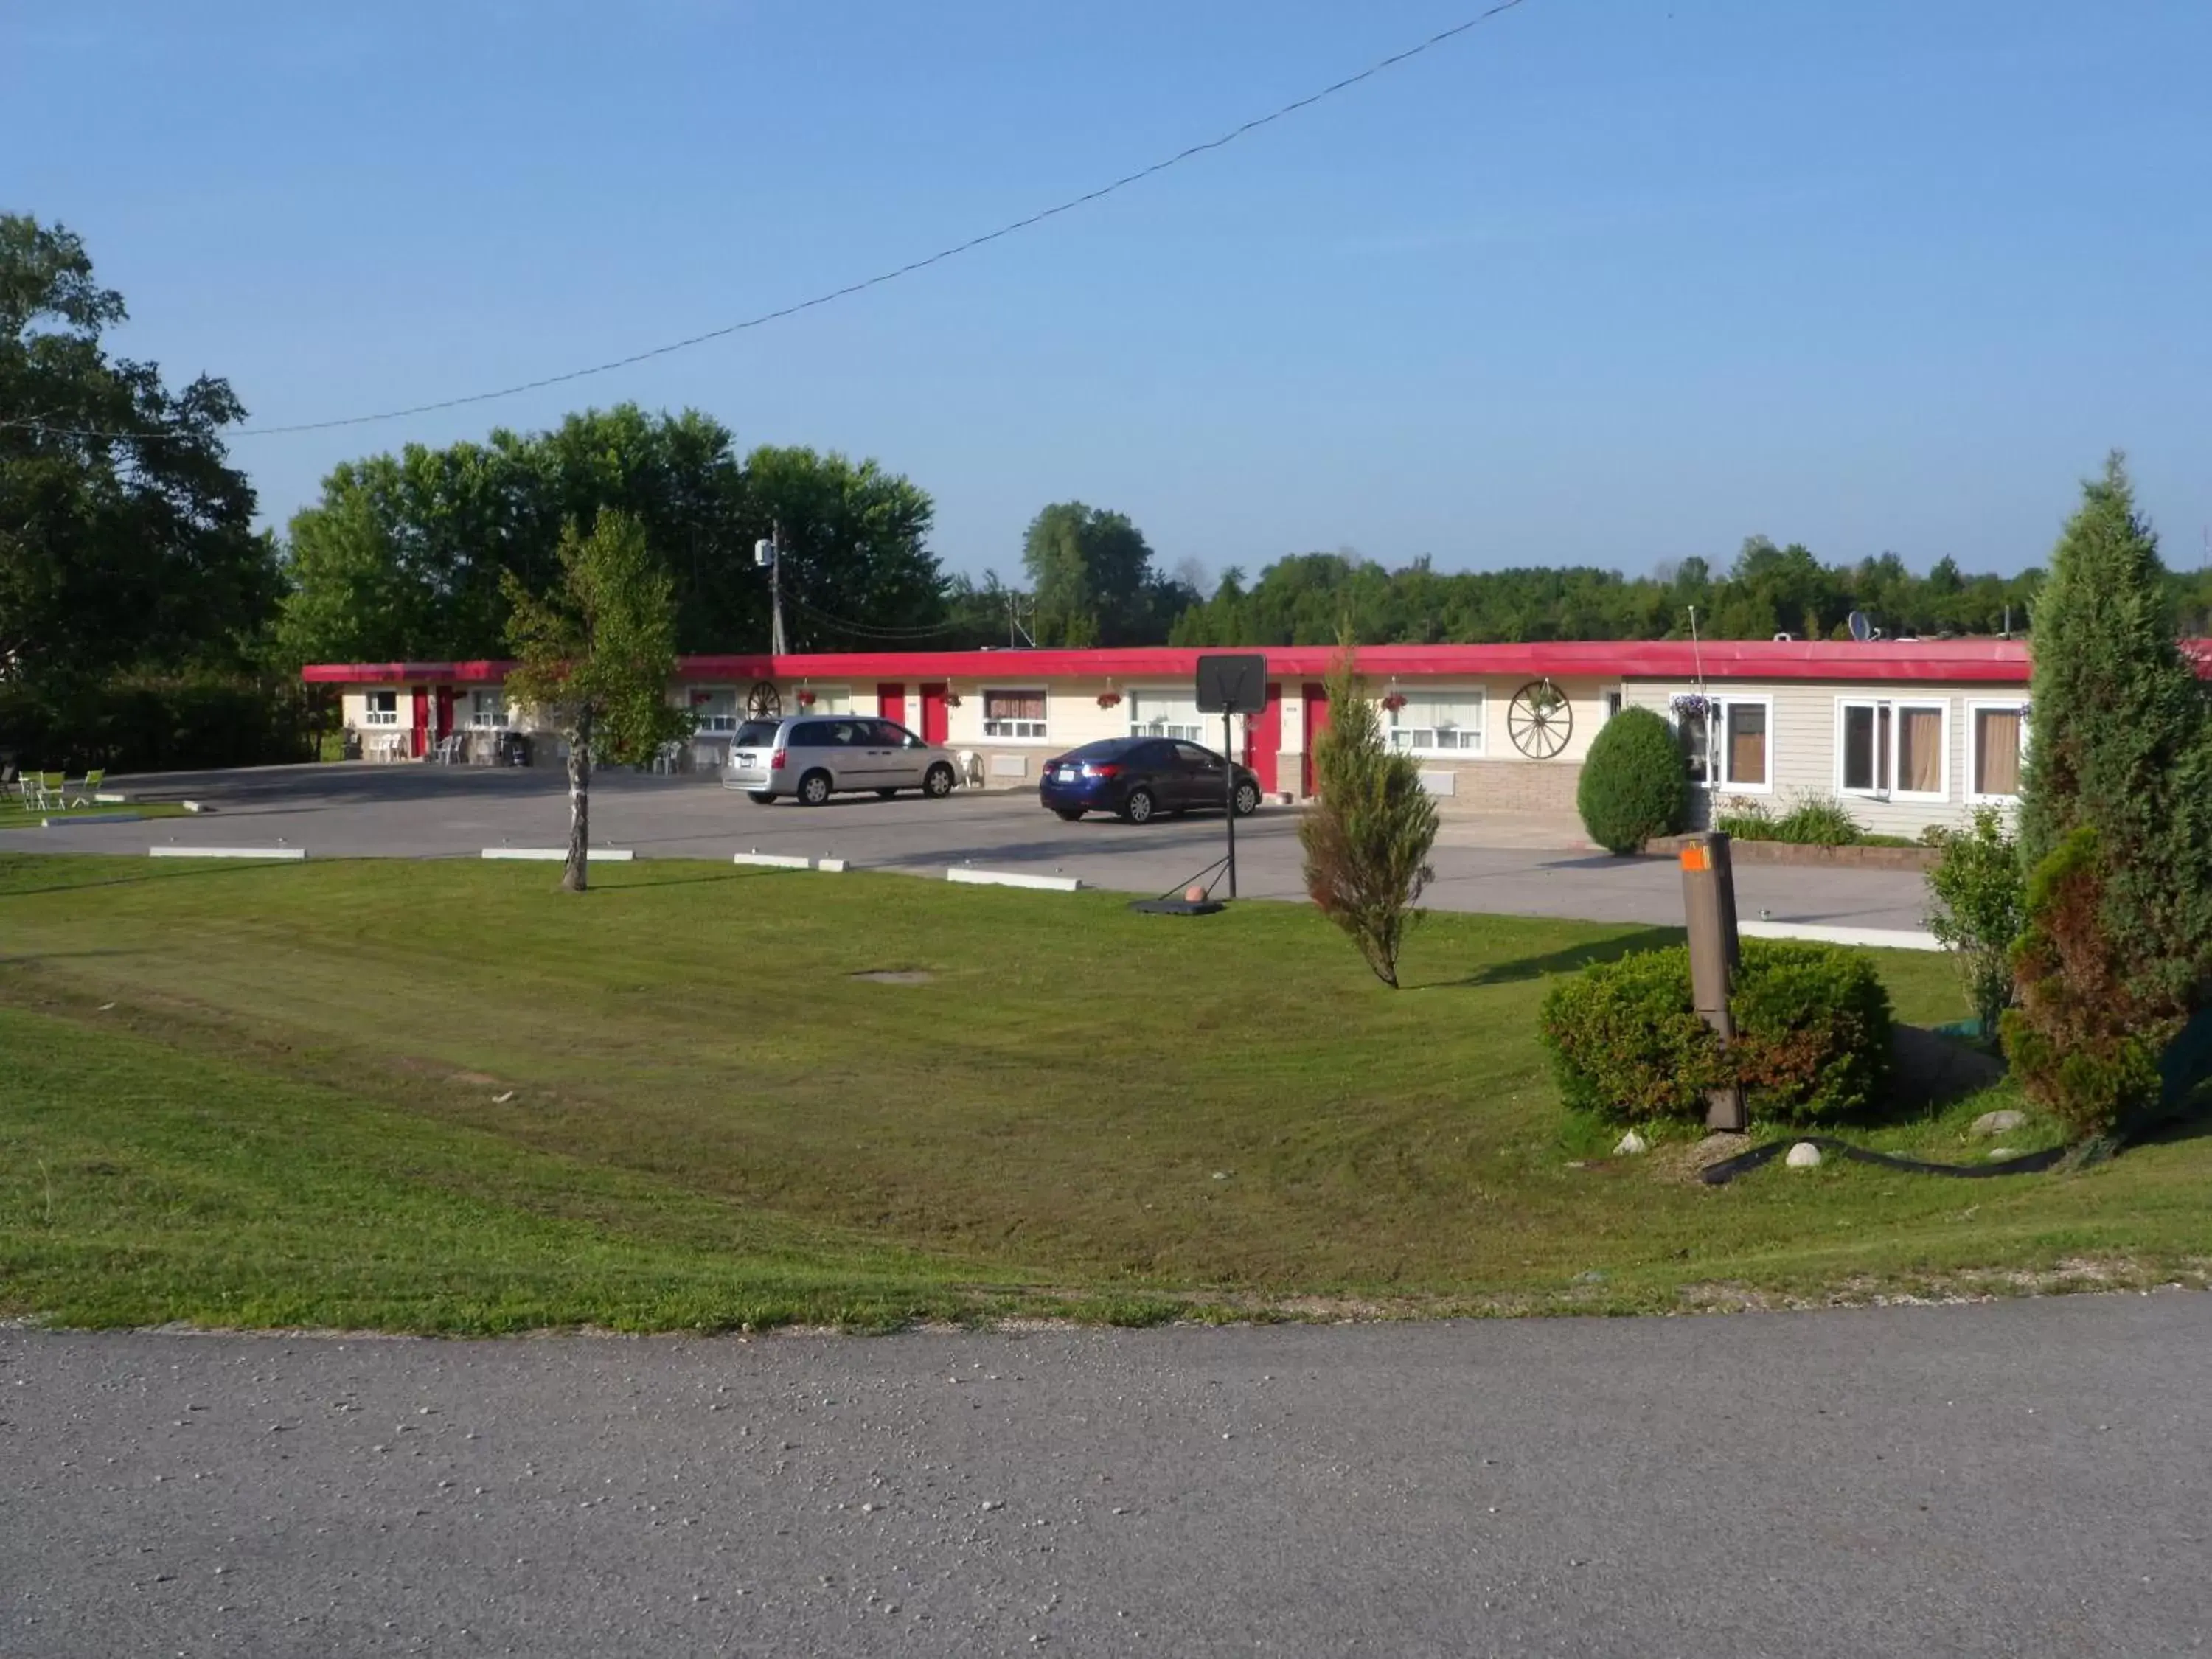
(1708,904)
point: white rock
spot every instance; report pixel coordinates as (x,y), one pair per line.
(1996,1123)
(1998,1154)
(1803,1156)
(1629,1145)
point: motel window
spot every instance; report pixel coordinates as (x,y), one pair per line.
(382,708)
(1743,745)
(487,710)
(716,711)
(1437,722)
(1728,743)
(1013,714)
(2000,740)
(1165,714)
(1890,748)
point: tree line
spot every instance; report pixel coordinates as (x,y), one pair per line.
(144,620)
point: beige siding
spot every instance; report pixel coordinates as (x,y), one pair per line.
(1805,743)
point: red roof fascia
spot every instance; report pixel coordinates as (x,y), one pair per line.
(404,673)
(1971,661)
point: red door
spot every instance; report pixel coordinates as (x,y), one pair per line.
(420,739)
(1316,701)
(444,712)
(891,702)
(1263,736)
(934,724)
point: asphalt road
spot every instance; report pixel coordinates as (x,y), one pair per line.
(2031,1478)
(419,811)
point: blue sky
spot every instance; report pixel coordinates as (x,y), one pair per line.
(1600,281)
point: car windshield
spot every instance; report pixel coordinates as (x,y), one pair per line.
(755,734)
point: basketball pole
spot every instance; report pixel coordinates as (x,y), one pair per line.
(1229,769)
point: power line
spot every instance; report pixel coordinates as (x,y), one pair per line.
(1190,153)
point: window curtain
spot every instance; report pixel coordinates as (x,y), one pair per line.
(1014,705)
(1996,752)
(1747,743)
(1920,750)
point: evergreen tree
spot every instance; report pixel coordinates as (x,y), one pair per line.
(1367,839)
(2121,748)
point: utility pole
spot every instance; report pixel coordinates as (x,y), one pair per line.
(768,554)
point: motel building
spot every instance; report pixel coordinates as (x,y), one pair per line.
(1908,733)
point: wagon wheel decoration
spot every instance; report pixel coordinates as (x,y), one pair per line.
(1540,719)
(762,704)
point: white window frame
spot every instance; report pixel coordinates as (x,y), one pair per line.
(498,721)
(1476,693)
(372,715)
(1717,703)
(983,696)
(1886,764)
(2004,705)
(1130,694)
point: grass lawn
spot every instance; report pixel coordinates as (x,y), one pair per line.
(14,815)
(445,1097)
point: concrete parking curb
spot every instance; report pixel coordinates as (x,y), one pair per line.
(175,852)
(1008,879)
(559,854)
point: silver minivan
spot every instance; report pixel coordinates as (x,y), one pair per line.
(812,757)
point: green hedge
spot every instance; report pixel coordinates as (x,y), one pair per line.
(158,724)
(1635,784)
(1813,1025)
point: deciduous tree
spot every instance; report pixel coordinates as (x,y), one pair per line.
(595,655)
(127,537)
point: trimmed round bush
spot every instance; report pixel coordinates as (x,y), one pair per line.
(1635,784)
(1813,1034)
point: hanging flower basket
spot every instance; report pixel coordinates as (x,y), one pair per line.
(1394,700)
(1691,704)
(806,700)
(1110,698)
(952,700)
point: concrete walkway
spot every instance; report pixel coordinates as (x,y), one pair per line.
(424,812)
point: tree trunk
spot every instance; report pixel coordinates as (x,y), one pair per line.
(575,876)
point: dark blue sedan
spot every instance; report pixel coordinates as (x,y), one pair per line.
(1138,778)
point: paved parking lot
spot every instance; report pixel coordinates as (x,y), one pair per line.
(423,812)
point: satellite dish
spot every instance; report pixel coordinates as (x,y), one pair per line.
(1785,639)
(1861,630)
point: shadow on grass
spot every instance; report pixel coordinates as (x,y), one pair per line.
(178,871)
(1928,1071)
(1570,960)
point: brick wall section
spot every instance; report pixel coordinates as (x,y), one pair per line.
(1484,786)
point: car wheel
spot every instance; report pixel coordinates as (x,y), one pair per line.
(1067,814)
(1248,799)
(761,797)
(814,789)
(1139,808)
(937,783)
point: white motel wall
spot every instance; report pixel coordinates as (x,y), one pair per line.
(1908,733)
